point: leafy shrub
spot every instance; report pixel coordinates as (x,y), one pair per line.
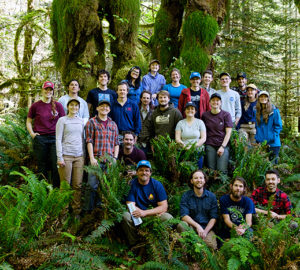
(173,162)
(27,211)
(15,144)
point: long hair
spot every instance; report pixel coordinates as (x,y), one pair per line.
(263,111)
(137,81)
(151,106)
(53,107)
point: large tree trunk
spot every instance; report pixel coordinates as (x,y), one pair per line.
(79,39)
(165,42)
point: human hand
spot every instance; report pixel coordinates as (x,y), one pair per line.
(138,212)
(94,162)
(240,230)
(33,135)
(220,151)
(61,164)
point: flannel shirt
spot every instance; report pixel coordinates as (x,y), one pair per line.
(104,139)
(281,203)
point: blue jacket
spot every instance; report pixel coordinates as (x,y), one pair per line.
(270,132)
(127,117)
(134,94)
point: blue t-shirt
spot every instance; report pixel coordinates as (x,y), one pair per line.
(148,195)
(96,94)
(174,92)
(244,206)
(200,209)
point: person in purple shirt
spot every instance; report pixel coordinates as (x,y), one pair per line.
(175,87)
(218,131)
(153,81)
(45,114)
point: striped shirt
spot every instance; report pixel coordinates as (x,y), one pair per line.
(104,139)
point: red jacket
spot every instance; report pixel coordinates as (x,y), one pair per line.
(185,97)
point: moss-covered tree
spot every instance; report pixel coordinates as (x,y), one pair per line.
(78,34)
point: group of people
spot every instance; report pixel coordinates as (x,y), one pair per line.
(141,109)
(199,206)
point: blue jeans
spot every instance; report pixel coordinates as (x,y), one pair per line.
(216,162)
(45,152)
(274,156)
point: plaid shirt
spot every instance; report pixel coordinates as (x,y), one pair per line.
(104,139)
(281,203)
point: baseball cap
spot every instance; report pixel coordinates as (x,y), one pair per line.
(73,99)
(251,85)
(154,61)
(104,101)
(48,84)
(224,73)
(263,93)
(241,74)
(190,104)
(195,74)
(215,95)
(144,163)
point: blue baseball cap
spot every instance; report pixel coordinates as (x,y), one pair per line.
(195,74)
(144,163)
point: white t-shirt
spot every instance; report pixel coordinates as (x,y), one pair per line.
(190,133)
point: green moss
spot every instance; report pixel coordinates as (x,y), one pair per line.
(196,59)
(203,27)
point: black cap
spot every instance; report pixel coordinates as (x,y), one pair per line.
(215,95)
(241,74)
(224,73)
(104,101)
(189,104)
(73,99)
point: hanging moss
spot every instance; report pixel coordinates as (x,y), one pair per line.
(203,27)
(197,59)
(123,17)
(165,42)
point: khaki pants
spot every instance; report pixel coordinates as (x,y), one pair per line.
(248,131)
(131,231)
(72,172)
(210,239)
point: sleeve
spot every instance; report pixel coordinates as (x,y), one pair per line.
(250,209)
(132,192)
(202,126)
(89,98)
(89,132)
(149,123)
(228,120)
(145,84)
(62,101)
(223,205)
(165,87)
(277,125)
(86,113)
(161,192)
(287,205)
(207,105)
(59,137)
(138,122)
(184,209)
(238,108)
(179,126)
(32,111)
(116,134)
(178,116)
(254,197)
(181,102)
(214,207)
(60,109)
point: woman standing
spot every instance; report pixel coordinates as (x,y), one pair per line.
(45,114)
(133,79)
(191,130)
(69,149)
(268,125)
(218,127)
(175,87)
(246,125)
(146,110)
